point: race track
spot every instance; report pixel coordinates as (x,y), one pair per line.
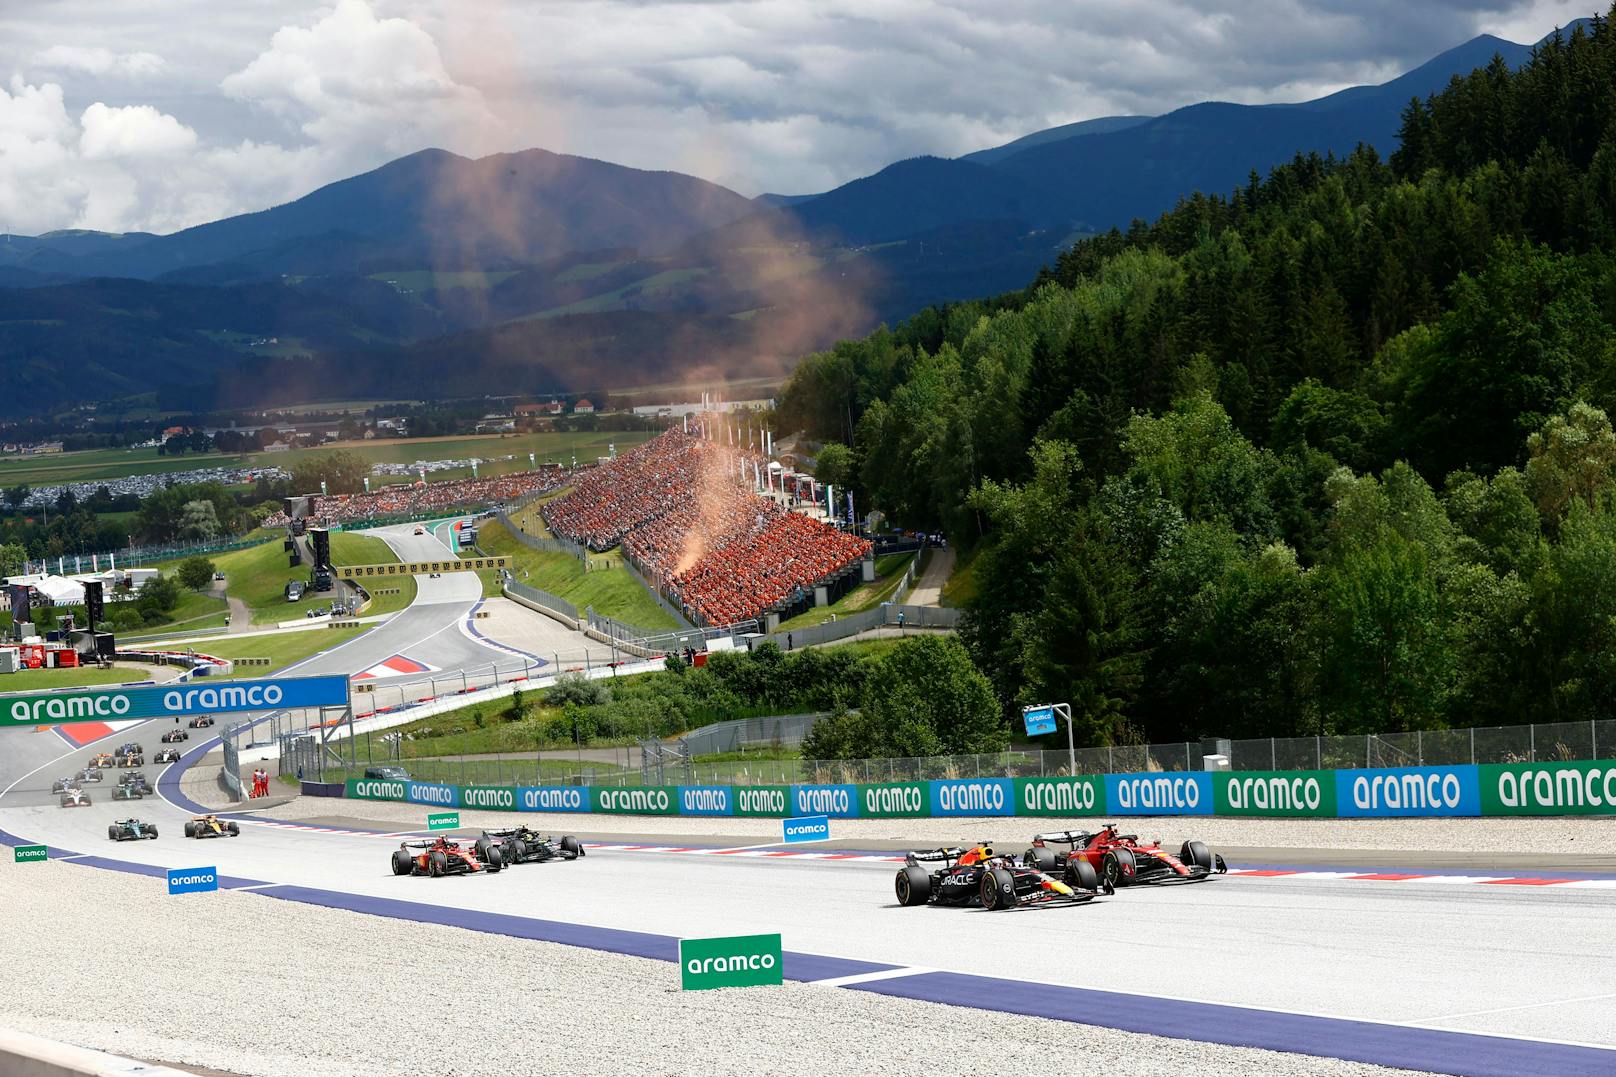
(1436,973)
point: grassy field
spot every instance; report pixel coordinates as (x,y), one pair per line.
(613,591)
(257,575)
(34,680)
(282,649)
(961,586)
(889,570)
(196,609)
(93,464)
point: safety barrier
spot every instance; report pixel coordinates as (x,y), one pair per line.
(1489,789)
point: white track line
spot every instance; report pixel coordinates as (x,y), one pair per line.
(870,977)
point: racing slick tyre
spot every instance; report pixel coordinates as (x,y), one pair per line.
(1080,875)
(151,832)
(481,847)
(1041,858)
(112,833)
(515,850)
(998,889)
(403,862)
(913,886)
(570,844)
(190,830)
(1196,852)
(495,860)
(438,863)
(1118,867)
(235,831)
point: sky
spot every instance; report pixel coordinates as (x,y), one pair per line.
(125,116)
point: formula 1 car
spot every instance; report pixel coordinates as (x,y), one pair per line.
(63,785)
(90,774)
(519,845)
(75,798)
(127,791)
(211,826)
(131,748)
(979,875)
(201,721)
(102,760)
(1124,860)
(137,779)
(167,755)
(174,736)
(131,760)
(131,830)
(440,856)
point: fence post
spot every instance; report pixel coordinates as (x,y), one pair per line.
(1531,733)
(1593,740)
(1472,745)
(1110,760)
(1318,752)
(1273,754)
(1419,748)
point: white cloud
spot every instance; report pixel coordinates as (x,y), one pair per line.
(95,60)
(261,101)
(133,131)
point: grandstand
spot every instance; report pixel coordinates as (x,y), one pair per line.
(688,520)
(421,500)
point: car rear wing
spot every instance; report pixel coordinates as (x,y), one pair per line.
(933,856)
(1063,837)
(424,843)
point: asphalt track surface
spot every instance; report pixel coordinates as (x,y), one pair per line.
(1416,973)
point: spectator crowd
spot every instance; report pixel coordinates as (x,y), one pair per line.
(682,511)
(421,499)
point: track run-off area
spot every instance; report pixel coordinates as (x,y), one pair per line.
(1474,964)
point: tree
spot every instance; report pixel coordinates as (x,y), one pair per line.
(835,464)
(924,697)
(196,572)
(1572,458)
(199,520)
(13,557)
(16,495)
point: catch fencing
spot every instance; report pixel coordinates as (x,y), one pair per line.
(903,618)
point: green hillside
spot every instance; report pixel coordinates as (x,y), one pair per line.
(1328,454)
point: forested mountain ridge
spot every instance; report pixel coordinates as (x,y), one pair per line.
(1328,454)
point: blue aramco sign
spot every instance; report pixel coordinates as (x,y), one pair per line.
(805,828)
(164,701)
(192,880)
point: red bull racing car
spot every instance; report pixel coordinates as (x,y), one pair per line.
(1122,859)
(440,856)
(981,876)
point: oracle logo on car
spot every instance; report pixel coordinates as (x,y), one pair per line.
(1159,794)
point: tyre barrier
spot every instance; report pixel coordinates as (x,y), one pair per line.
(1552,788)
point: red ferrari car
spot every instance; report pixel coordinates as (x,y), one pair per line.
(1122,859)
(442,857)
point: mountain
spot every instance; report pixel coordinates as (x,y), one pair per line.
(455,271)
(1099,126)
(441,209)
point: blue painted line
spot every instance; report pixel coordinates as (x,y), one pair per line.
(1468,1054)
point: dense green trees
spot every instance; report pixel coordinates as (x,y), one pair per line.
(1328,454)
